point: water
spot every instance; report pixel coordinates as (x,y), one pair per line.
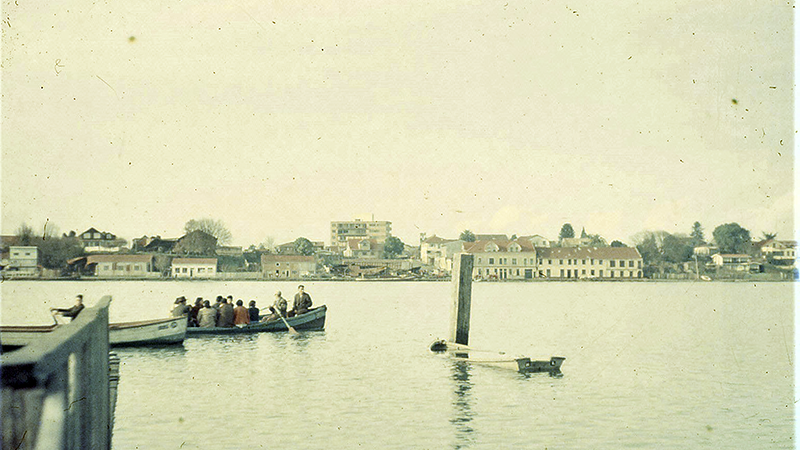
(649,365)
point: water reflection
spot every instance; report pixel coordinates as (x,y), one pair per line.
(462,405)
(163,352)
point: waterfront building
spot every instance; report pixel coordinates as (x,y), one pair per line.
(438,252)
(117,266)
(734,262)
(288,266)
(94,240)
(363,248)
(194,267)
(589,262)
(358,229)
(503,259)
(784,252)
(705,250)
(22,261)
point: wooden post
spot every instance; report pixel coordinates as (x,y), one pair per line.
(462,298)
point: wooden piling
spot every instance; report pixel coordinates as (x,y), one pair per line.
(462,298)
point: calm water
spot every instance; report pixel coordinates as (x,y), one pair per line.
(649,365)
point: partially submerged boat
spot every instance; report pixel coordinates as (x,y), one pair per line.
(155,332)
(496,359)
(313,320)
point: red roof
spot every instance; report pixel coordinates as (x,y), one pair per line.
(480,246)
(194,261)
(589,252)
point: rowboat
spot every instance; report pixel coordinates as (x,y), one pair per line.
(148,332)
(313,320)
(496,359)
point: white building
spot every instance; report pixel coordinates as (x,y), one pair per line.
(341,232)
(194,267)
(23,260)
(120,266)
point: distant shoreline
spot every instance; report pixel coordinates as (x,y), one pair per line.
(422,280)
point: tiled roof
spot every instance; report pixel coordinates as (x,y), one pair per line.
(268,258)
(353,243)
(437,240)
(194,261)
(93,259)
(589,252)
(480,246)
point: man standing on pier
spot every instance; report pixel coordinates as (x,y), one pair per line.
(302,302)
(72,312)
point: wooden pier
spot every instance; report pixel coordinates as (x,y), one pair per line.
(57,389)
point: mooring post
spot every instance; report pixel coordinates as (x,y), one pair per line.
(462,298)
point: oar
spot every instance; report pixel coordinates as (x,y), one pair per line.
(291,328)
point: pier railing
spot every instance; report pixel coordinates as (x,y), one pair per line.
(55,389)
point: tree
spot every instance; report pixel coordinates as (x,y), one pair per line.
(732,238)
(25,234)
(268,244)
(566,231)
(768,236)
(697,234)
(467,236)
(393,247)
(196,242)
(676,249)
(303,246)
(595,240)
(648,248)
(213,227)
(616,243)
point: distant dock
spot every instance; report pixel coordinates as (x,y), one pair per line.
(59,389)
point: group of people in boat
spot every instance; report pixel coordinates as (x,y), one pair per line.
(223,313)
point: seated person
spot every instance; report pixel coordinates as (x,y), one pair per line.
(71,312)
(279,307)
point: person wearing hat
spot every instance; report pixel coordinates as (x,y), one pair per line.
(181,308)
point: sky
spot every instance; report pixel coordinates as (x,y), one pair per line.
(499,117)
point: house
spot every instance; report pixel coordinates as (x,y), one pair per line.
(288,248)
(153,244)
(783,252)
(433,249)
(117,266)
(194,267)
(23,260)
(503,259)
(287,266)
(538,240)
(589,262)
(198,243)
(735,262)
(576,242)
(363,248)
(94,240)
(705,250)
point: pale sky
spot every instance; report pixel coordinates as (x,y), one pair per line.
(501,117)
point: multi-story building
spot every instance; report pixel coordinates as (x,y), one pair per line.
(735,262)
(99,241)
(438,252)
(342,231)
(589,262)
(287,266)
(363,248)
(784,251)
(503,259)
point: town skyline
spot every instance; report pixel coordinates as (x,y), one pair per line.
(517,117)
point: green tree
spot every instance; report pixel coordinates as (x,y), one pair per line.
(393,247)
(648,248)
(616,243)
(566,231)
(595,240)
(467,236)
(676,249)
(768,236)
(697,234)
(732,238)
(303,246)
(213,227)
